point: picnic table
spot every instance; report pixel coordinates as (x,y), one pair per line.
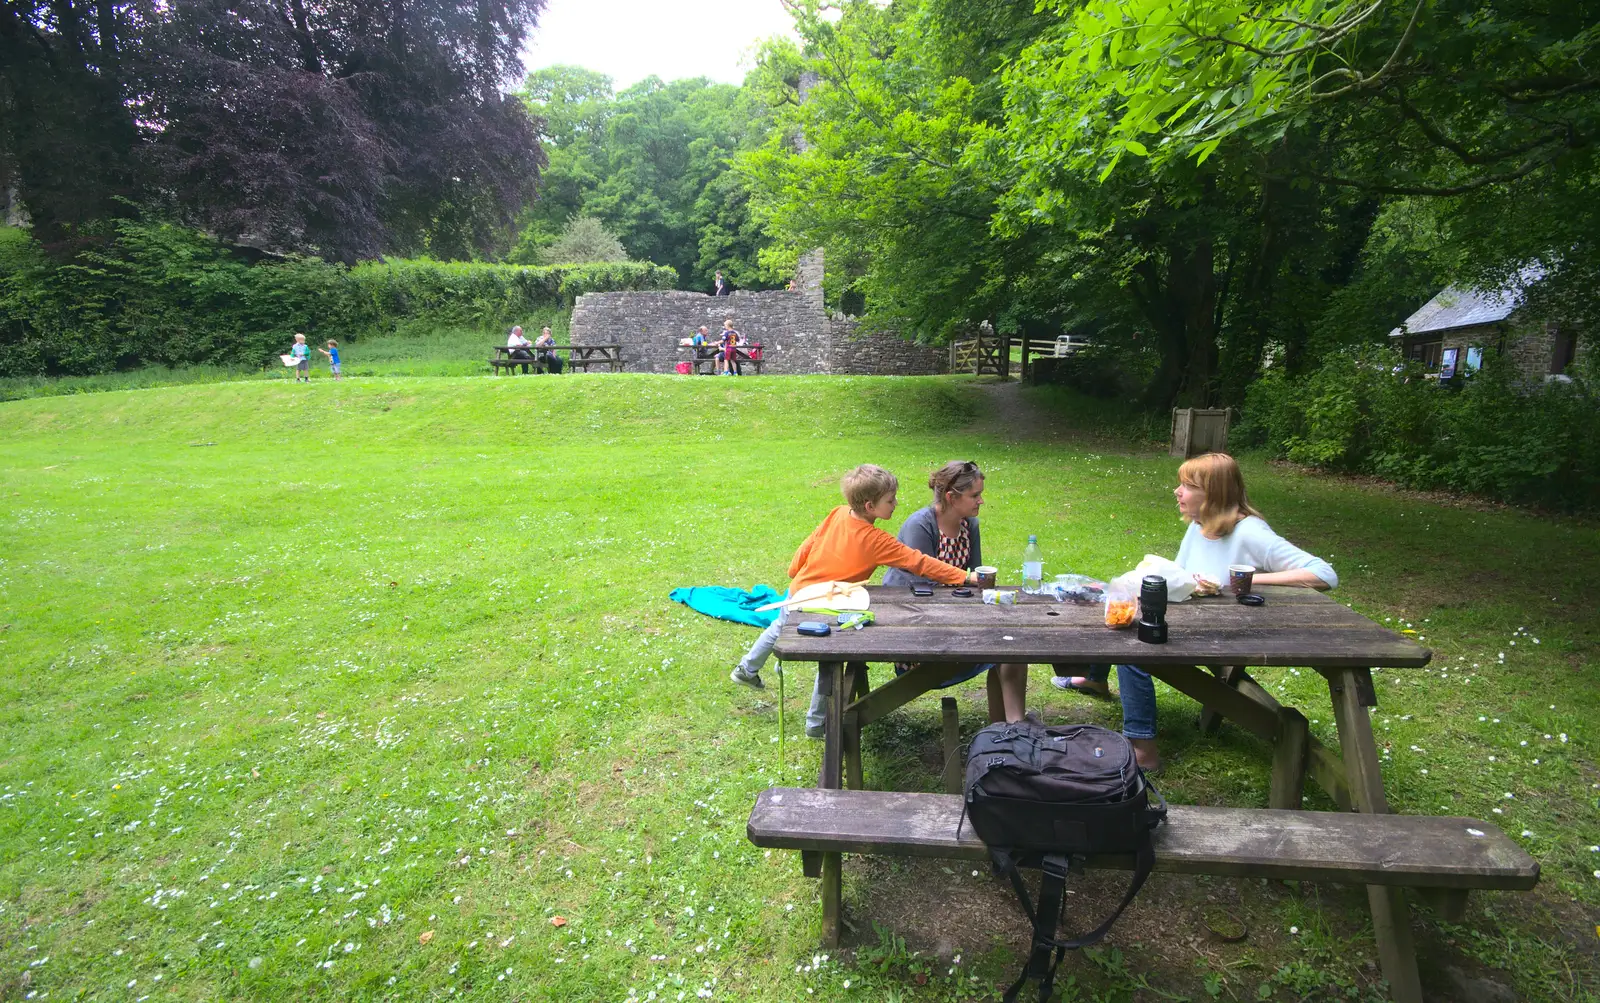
(578,357)
(707,360)
(1442,857)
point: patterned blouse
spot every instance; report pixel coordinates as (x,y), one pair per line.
(954,550)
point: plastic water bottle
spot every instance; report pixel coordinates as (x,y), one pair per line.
(1032,566)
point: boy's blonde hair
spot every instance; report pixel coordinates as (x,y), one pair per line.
(1226,504)
(867,483)
(332,343)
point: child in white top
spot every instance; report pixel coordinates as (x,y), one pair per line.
(301,352)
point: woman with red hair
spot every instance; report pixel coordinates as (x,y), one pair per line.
(1223,529)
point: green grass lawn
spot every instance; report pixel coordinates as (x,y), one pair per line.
(351,691)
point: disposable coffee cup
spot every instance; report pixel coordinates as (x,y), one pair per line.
(986,576)
(1240,577)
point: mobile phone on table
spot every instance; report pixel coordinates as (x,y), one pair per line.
(919,589)
(811,628)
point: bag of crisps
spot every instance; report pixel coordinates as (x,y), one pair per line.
(1122,600)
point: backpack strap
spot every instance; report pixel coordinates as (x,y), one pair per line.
(1052,893)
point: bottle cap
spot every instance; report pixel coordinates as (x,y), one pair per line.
(1032,538)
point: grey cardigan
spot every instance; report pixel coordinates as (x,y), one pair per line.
(921,532)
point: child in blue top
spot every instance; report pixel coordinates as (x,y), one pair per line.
(332,352)
(301,353)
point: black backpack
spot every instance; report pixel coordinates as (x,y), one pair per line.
(1039,796)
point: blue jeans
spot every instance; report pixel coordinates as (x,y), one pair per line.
(1138,693)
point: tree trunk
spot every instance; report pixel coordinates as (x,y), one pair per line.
(1181,305)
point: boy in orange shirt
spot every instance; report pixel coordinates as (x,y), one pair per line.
(847,547)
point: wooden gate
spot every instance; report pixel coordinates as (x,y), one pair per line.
(987,354)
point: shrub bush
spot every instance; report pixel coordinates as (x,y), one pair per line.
(1098,371)
(156,293)
(1497,436)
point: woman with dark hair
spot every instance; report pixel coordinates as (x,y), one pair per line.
(1223,530)
(948,531)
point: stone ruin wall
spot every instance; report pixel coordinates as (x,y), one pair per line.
(880,353)
(649,326)
(794,329)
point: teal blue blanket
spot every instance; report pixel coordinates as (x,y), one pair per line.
(730,604)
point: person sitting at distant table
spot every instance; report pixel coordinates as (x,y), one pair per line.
(519,346)
(703,348)
(548,360)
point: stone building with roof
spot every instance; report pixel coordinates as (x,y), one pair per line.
(1450,333)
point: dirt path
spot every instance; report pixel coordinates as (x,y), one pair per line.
(1007,414)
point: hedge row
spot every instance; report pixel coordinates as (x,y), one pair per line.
(155,293)
(1497,435)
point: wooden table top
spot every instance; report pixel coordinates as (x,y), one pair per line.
(1297,626)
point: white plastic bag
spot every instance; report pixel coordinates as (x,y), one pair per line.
(1180,583)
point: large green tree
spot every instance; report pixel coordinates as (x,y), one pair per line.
(1488,113)
(652,163)
(917,158)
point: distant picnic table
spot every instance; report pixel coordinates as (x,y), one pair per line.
(707,359)
(578,357)
(1441,857)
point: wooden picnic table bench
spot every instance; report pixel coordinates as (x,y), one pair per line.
(1296,627)
(578,357)
(1410,851)
(744,355)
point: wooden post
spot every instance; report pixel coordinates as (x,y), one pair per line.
(950,717)
(1449,903)
(1289,760)
(831,675)
(1391,916)
(832,893)
(1210,717)
(856,687)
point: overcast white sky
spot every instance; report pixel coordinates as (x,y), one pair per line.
(629,40)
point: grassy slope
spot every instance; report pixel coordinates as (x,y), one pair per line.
(298,674)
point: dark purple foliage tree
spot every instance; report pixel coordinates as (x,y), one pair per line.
(67,140)
(347,127)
